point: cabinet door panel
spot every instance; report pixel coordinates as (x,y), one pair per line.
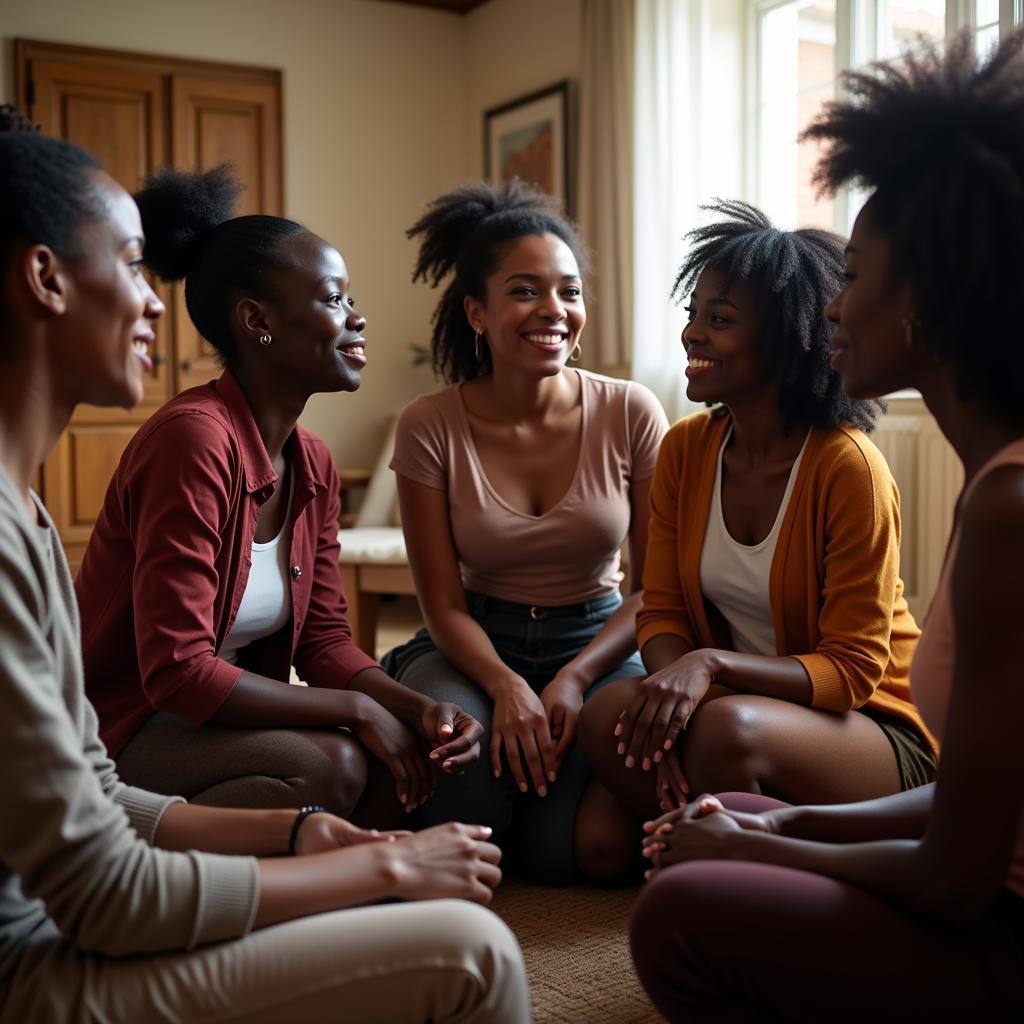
(76,475)
(217,121)
(117,114)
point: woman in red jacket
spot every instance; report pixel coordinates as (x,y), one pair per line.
(213,566)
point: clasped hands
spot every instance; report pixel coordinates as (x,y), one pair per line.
(702,830)
(451,860)
(648,729)
(535,731)
(445,738)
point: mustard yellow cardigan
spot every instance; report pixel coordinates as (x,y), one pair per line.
(835,588)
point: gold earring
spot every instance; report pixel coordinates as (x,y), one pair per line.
(909,323)
(476,345)
(265,339)
(577,351)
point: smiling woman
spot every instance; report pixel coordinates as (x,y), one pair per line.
(773,624)
(213,565)
(519,483)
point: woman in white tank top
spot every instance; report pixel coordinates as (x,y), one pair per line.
(773,626)
(919,897)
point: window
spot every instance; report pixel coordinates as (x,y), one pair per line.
(800,48)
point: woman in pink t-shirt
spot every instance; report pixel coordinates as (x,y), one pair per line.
(519,484)
(913,904)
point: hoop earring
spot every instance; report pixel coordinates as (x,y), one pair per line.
(265,339)
(577,351)
(476,346)
(909,323)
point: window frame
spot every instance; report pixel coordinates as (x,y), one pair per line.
(857,41)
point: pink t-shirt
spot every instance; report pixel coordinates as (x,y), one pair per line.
(569,554)
(931,671)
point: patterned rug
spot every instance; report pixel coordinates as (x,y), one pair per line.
(576,949)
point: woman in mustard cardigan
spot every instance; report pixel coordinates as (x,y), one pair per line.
(773,625)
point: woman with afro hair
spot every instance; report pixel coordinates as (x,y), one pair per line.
(774,628)
(909,906)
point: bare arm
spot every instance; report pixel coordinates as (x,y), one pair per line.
(519,724)
(256,701)
(446,861)
(617,639)
(900,816)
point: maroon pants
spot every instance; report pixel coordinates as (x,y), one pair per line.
(734,941)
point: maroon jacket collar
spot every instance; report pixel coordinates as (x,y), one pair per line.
(256,465)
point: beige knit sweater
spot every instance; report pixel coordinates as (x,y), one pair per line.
(76,864)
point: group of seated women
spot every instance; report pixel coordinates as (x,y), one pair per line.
(549,711)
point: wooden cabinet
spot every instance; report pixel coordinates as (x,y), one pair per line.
(135,113)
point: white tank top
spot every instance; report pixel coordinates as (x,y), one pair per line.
(266,604)
(734,576)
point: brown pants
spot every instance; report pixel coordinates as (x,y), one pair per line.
(228,767)
(438,961)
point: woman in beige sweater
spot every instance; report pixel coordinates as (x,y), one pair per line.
(108,911)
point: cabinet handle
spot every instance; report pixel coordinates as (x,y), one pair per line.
(186,365)
(159,359)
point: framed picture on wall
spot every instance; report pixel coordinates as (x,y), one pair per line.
(529,138)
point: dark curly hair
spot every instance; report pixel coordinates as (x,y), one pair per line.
(468,230)
(48,188)
(939,138)
(796,275)
(191,234)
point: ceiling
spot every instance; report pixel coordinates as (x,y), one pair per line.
(458,6)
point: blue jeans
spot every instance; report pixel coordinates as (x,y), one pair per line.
(535,832)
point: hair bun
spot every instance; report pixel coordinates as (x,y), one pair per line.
(13,120)
(179,208)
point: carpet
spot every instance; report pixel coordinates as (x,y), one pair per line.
(576,949)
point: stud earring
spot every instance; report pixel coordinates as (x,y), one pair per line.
(265,339)
(577,351)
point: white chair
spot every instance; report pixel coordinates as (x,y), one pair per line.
(373,559)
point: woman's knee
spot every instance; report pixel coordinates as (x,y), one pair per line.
(496,986)
(723,734)
(599,716)
(606,850)
(335,774)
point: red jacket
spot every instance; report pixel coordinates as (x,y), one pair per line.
(169,559)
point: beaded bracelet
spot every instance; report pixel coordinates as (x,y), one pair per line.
(304,813)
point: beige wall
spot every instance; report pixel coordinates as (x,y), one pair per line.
(514,47)
(383,105)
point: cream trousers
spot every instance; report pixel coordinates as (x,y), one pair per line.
(437,961)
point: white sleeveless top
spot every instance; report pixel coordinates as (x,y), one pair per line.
(734,577)
(266,604)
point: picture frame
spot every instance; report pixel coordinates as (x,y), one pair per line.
(529,138)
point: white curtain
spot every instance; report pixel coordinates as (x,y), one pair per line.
(687,148)
(605,207)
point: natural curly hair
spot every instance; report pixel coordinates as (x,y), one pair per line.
(939,138)
(796,275)
(468,230)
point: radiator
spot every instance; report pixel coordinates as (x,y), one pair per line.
(929,477)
